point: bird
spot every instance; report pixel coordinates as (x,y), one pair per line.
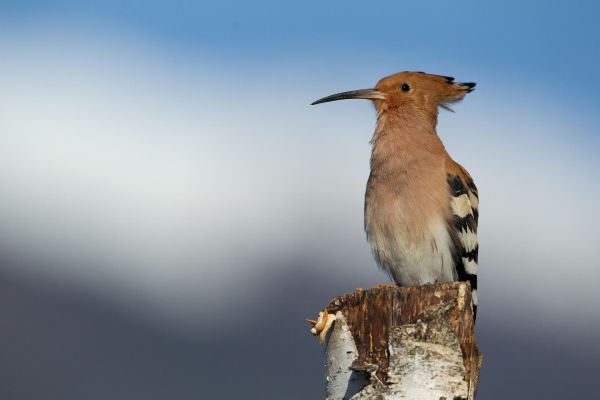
(421,208)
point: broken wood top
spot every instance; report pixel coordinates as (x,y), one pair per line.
(372,313)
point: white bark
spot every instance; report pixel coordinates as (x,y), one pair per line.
(425,363)
(340,353)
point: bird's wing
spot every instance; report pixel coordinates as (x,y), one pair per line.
(464,209)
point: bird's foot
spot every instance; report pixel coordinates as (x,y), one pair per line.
(321,325)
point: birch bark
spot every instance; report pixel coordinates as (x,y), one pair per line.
(403,343)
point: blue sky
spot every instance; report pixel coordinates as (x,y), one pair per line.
(548,46)
(549,40)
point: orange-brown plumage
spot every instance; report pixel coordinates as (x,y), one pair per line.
(421,207)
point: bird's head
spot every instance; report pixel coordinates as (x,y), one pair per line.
(411,92)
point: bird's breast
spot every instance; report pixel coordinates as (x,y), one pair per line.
(405,221)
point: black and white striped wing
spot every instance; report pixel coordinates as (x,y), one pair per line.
(464,206)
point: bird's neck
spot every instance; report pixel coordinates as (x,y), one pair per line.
(404,142)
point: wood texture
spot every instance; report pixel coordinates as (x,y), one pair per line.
(437,315)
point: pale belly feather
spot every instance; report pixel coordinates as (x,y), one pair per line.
(411,262)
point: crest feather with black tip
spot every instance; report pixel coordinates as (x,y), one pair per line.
(454,92)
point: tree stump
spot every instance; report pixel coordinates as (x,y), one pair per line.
(393,342)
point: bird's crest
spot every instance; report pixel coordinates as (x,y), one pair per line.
(423,89)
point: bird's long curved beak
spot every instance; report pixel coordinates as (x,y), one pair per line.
(370,94)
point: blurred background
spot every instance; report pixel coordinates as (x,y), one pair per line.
(171,207)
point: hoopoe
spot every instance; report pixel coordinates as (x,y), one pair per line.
(421,207)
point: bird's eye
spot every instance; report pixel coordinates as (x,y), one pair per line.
(405,87)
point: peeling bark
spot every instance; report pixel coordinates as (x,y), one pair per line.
(403,343)
(342,381)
